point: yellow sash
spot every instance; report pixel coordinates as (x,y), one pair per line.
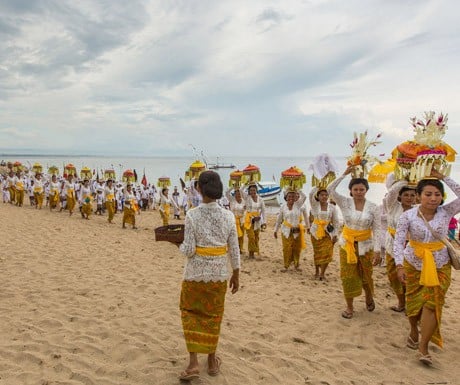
(351,236)
(85,197)
(392,231)
(70,192)
(110,197)
(424,251)
(134,205)
(320,233)
(211,251)
(248,217)
(19,186)
(239,230)
(38,190)
(303,244)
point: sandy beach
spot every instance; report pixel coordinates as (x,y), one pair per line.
(85,302)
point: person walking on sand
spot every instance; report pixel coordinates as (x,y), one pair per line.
(359,241)
(399,198)
(109,194)
(254,217)
(54,192)
(210,239)
(237,207)
(423,264)
(165,205)
(323,231)
(293,221)
(130,207)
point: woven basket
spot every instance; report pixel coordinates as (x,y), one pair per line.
(171,233)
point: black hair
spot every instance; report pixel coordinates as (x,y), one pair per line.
(252,185)
(403,190)
(355,181)
(430,182)
(163,190)
(210,184)
(318,192)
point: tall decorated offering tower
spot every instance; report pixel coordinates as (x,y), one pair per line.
(360,158)
(235,179)
(292,179)
(417,157)
(251,174)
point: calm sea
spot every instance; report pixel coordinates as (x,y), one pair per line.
(175,167)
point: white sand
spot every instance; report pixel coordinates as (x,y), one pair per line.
(85,302)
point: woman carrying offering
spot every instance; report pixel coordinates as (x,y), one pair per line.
(109,192)
(423,264)
(399,198)
(254,217)
(54,192)
(359,241)
(165,205)
(293,221)
(210,240)
(323,230)
(86,200)
(129,207)
(237,208)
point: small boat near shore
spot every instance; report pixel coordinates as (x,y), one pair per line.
(269,191)
(217,165)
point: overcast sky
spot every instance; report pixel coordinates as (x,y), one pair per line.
(230,77)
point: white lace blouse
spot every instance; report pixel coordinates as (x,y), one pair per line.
(236,208)
(209,225)
(254,206)
(393,209)
(330,214)
(368,218)
(294,217)
(409,221)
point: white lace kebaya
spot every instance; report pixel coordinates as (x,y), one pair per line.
(369,218)
(294,217)
(209,225)
(394,209)
(409,221)
(330,214)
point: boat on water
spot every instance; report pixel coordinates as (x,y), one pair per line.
(217,165)
(269,191)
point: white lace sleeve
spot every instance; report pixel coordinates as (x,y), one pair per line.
(301,200)
(189,244)
(313,202)
(229,196)
(453,208)
(335,220)
(234,248)
(262,210)
(279,220)
(331,189)
(400,238)
(376,228)
(391,198)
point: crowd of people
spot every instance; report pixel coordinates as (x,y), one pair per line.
(412,248)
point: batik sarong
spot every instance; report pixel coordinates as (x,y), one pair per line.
(322,250)
(392,274)
(418,296)
(202,309)
(291,250)
(355,275)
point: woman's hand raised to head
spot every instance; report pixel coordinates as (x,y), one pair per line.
(348,170)
(436,174)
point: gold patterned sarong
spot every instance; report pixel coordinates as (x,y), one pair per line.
(70,202)
(253,239)
(38,199)
(392,274)
(165,213)
(419,296)
(355,275)
(129,215)
(110,206)
(291,250)
(323,250)
(202,309)
(54,198)
(87,208)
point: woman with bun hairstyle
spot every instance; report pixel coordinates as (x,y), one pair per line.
(210,241)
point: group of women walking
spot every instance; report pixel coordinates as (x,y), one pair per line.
(417,261)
